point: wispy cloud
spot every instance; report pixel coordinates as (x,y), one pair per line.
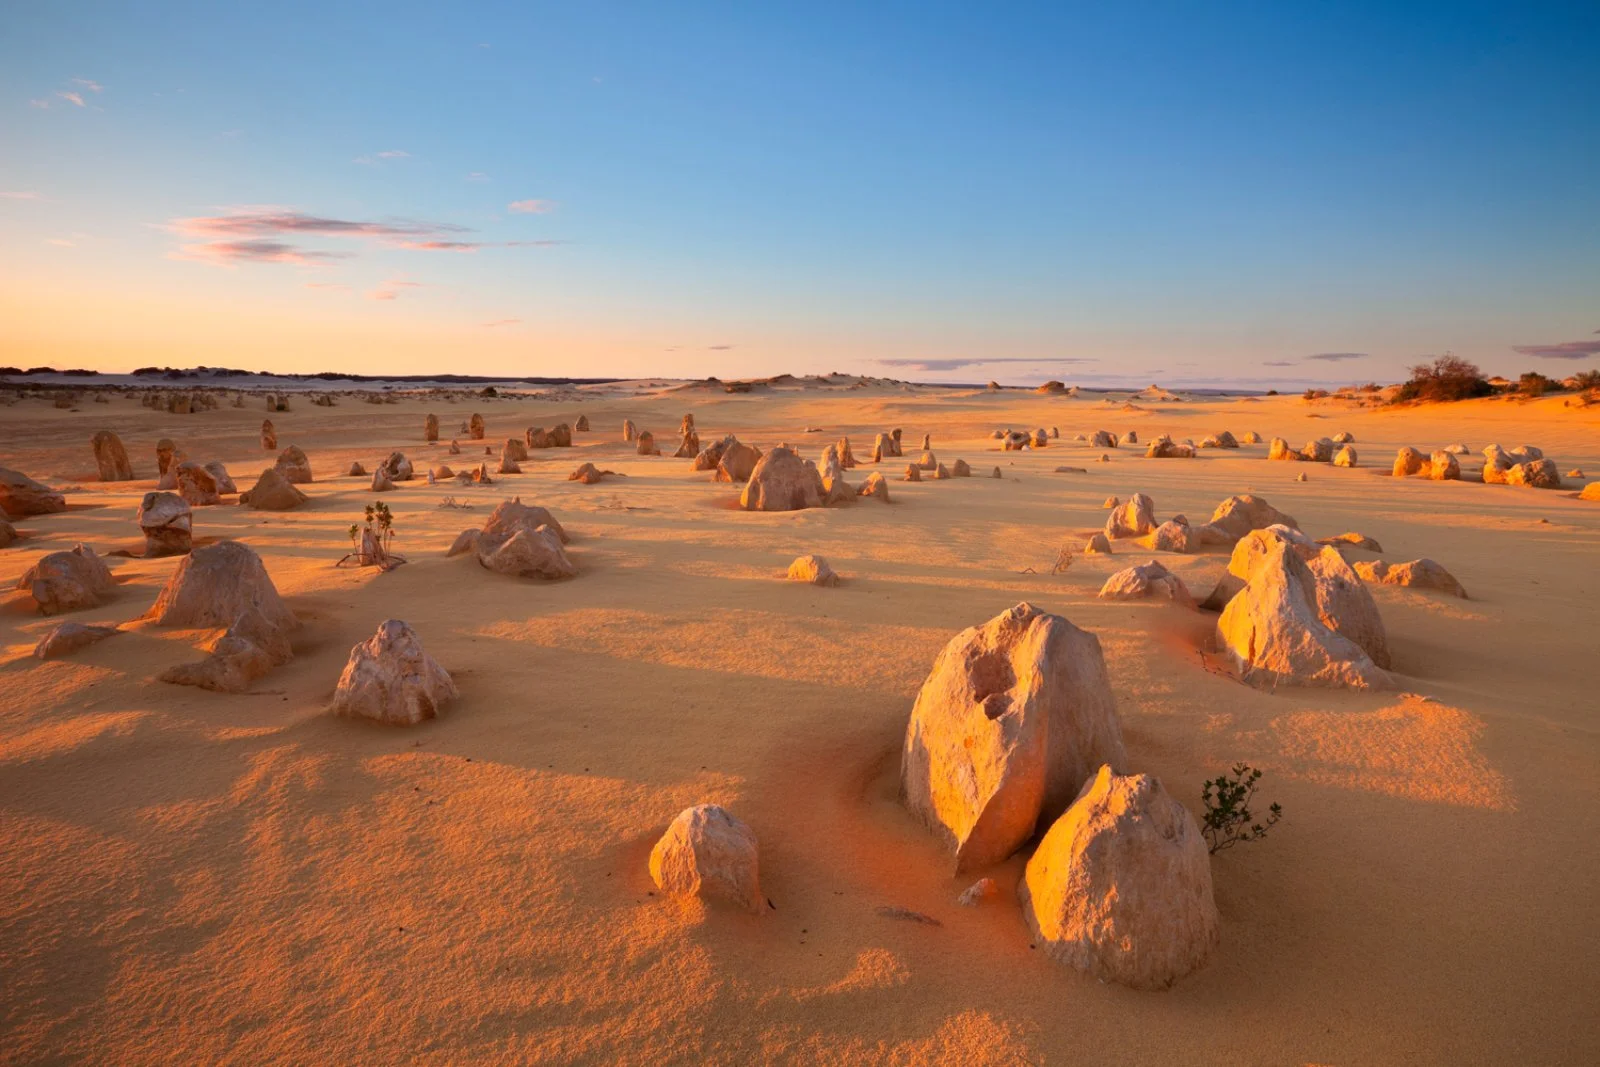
(259,250)
(335,287)
(1278,363)
(718,348)
(60,242)
(246,233)
(958,364)
(21,195)
(531,207)
(1570,350)
(71,97)
(391,289)
(40,103)
(501,322)
(477,176)
(89,84)
(1337,357)
(382,157)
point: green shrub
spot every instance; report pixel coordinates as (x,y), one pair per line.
(1227,802)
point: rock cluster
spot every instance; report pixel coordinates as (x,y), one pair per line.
(1012,719)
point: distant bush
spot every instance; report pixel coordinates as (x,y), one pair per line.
(1587,379)
(1227,802)
(1535,384)
(1370,387)
(1272,392)
(1315,394)
(1445,379)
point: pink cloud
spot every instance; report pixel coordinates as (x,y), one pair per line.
(502,322)
(20,196)
(390,289)
(259,250)
(531,207)
(71,97)
(89,84)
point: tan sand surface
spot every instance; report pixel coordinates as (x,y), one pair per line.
(192,877)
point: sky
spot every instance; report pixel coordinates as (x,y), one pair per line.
(1120,193)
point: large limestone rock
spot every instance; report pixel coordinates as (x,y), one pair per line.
(647,444)
(1134,518)
(475,427)
(430,428)
(1345,457)
(1345,605)
(814,570)
(1318,451)
(1274,633)
(928,461)
(1120,887)
(1015,714)
(588,474)
(1097,545)
(1103,439)
(197,485)
(1590,492)
(629,430)
(381,482)
(1225,439)
(1409,461)
(847,458)
(1279,449)
(535,553)
(1536,474)
(269,436)
(390,678)
(561,435)
(399,469)
(513,515)
(167,456)
(214,586)
(167,523)
(1250,438)
(1417,573)
(737,463)
(8,534)
(1238,515)
(877,487)
(708,853)
(68,581)
(294,466)
(21,495)
(960,469)
(782,481)
(1016,441)
(1146,580)
(1444,467)
(70,637)
(1173,536)
(581,424)
(273,492)
(111,458)
(913,473)
(709,456)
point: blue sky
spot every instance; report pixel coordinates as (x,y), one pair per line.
(1142,191)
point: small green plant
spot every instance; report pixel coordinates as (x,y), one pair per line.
(1227,801)
(369,543)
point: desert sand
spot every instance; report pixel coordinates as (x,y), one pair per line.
(191,876)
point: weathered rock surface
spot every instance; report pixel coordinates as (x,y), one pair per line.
(1444,467)
(111,458)
(215,585)
(581,424)
(1354,540)
(399,468)
(1224,439)
(430,428)
(1346,607)
(71,580)
(1238,515)
(20,495)
(960,469)
(782,481)
(1273,631)
(475,428)
(513,515)
(294,466)
(877,487)
(913,473)
(1536,474)
(1279,449)
(1408,461)
(197,485)
(688,446)
(273,492)
(1098,545)
(812,569)
(1146,580)
(70,637)
(1417,573)
(708,853)
(1120,886)
(647,444)
(167,523)
(269,436)
(1015,714)
(1345,457)
(250,647)
(629,430)
(381,482)
(737,463)
(1250,438)
(533,553)
(1318,451)
(1135,518)
(390,678)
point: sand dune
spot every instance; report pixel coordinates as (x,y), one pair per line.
(197,876)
